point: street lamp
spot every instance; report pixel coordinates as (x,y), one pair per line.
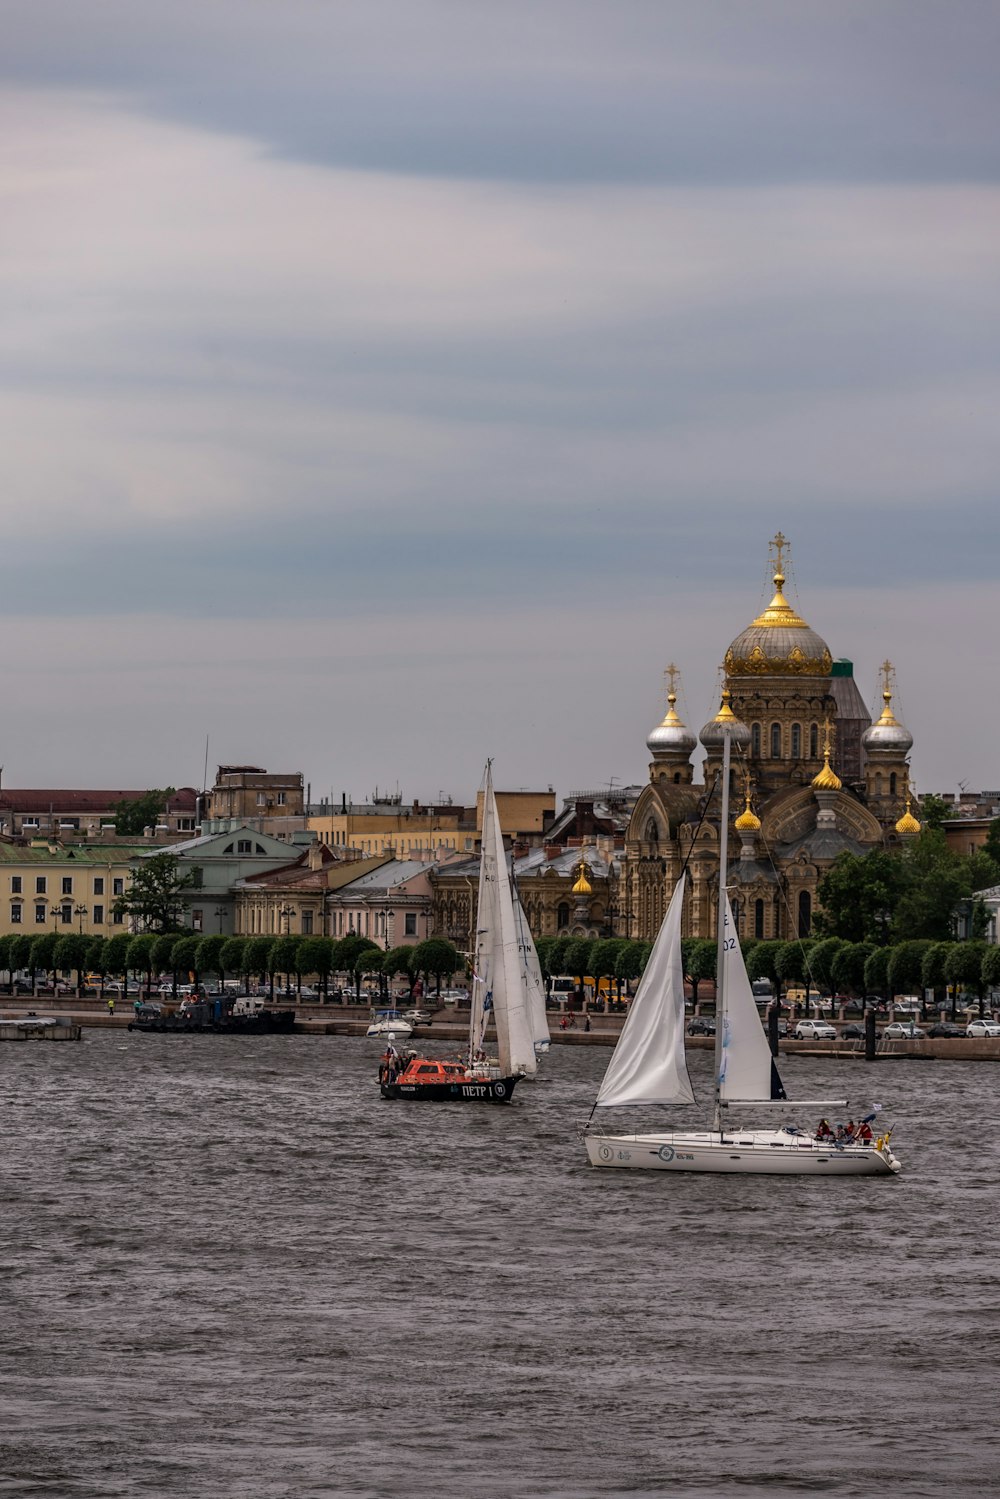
(220,911)
(80,912)
(285,914)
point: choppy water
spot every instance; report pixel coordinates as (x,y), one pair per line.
(230,1269)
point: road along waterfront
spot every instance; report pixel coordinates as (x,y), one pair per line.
(233,1269)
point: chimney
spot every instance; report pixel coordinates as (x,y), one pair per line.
(553,850)
(314,856)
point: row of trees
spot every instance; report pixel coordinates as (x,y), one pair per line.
(259,958)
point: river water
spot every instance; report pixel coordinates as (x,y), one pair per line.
(231,1271)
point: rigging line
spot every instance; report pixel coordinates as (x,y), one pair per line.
(701,819)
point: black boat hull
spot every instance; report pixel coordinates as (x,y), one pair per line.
(263,1023)
(475,1090)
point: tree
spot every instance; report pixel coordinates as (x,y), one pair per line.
(557,956)
(849,967)
(43,950)
(933,971)
(964,967)
(877,971)
(934,812)
(116,951)
(232,956)
(435,956)
(161,952)
(791,962)
(20,954)
(936,880)
(821,959)
(991,966)
(97,958)
(906,968)
(315,957)
(284,952)
(629,963)
(372,962)
(139,956)
(701,964)
(604,958)
(991,846)
(858,895)
(209,954)
(397,962)
(154,900)
(762,963)
(133,817)
(71,952)
(5,946)
(184,955)
(543,948)
(257,959)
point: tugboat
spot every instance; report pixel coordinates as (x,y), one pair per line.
(240,1015)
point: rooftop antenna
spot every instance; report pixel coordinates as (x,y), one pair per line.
(204,783)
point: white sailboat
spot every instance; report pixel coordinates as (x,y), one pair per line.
(531,977)
(503,984)
(648,1067)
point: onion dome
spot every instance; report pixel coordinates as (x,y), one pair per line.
(712,735)
(779,643)
(907,824)
(671,737)
(887,733)
(827,779)
(583,885)
(748,821)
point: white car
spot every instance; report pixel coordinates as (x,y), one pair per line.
(905,1030)
(815,1030)
(982,1028)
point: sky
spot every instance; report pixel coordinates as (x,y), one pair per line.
(390,384)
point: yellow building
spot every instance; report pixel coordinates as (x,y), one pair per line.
(49,886)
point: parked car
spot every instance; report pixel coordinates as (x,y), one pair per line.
(946,1028)
(982,1028)
(904,1030)
(815,1030)
(699,1026)
(145,1011)
(417,1017)
(853,1033)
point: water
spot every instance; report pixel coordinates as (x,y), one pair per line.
(232,1271)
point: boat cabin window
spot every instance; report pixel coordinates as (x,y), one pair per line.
(427,1069)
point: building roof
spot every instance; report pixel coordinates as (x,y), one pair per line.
(74,853)
(85,801)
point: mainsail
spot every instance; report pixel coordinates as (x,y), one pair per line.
(648,1064)
(746,1068)
(497,981)
(531,976)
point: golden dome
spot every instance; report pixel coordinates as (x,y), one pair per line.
(827,779)
(583,885)
(779,642)
(907,824)
(748,821)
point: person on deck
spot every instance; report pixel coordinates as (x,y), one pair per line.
(823,1130)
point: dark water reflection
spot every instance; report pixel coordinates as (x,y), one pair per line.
(231,1270)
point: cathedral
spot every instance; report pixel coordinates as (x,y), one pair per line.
(812,776)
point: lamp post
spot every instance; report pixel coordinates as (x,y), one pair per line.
(285,914)
(80,912)
(220,912)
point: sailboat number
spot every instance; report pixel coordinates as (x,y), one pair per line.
(729,943)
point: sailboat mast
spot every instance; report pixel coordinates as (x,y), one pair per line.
(720,967)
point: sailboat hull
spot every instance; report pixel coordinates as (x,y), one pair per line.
(753,1152)
(465,1090)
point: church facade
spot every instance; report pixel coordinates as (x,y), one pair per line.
(811,776)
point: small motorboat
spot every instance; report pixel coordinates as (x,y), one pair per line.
(390,1023)
(430,1080)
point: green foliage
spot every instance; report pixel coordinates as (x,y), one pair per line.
(991,966)
(397,961)
(208,954)
(315,957)
(934,812)
(877,971)
(43,950)
(154,899)
(140,953)
(820,962)
(284,955)
(604,957)
(5,946)
(184,953)
(991,847)
(435,956)
(371,961)
(762,962)
(631,961)
(20,951)
(701,962)
(849,967)
(791,961)
(131,818)
(97,958)
(71,952)
(906,966)
(964,966)
(116,953)
(233,955)
(257,958)
(543,947)
(162,954)
(578,954)
(557,956)
(858,895)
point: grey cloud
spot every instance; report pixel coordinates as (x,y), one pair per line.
(571,90)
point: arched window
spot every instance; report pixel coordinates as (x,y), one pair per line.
(805,913)
(813,741)
(878,783)
(755,740)
(892,784)
(758,918)
(776,741)
(796,741)
(677,777)
(652,831)
(562,915)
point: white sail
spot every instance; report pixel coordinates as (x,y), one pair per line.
(648,1064)
(531,976)
(746,1067)
(497,984)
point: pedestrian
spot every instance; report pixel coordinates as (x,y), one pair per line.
(111,1004)
(586,1024)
